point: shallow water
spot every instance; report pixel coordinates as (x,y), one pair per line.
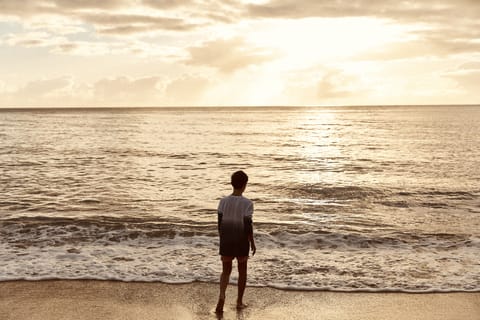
(351,198)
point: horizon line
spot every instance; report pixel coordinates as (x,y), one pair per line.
(26,108)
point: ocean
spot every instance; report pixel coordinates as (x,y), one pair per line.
(383,198)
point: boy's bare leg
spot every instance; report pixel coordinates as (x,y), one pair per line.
(224,278)
(242,282)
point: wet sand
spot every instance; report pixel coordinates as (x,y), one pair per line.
(90,299)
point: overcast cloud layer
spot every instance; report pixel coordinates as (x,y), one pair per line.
(209,52)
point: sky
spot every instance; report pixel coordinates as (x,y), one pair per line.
(113,53)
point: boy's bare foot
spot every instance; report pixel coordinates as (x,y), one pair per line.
(219,308)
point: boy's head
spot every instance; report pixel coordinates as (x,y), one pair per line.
(239,179)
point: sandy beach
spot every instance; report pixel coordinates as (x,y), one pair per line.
(85,299)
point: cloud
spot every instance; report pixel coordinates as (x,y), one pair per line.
(112,17)
(425,47)
(67,91)
(32,39)
(388,9)
(468,81)
(27,8)
(66,47)
(223,11)
(435,40)
(318,84)
(228,55)
(471,65)
(61,44)
(194,86)
(126,91)
(440,27)
(127,24)
(90,4)
(42,92)
(108,17)
(151,16)
(108,44)
(335,84)
(167,4)
(466,75)
(44,87)
(112,91)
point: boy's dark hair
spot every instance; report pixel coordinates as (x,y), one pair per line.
(239,179)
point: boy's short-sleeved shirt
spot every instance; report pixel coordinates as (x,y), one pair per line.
(233,237)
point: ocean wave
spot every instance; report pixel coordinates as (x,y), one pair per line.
(437,199)
(42,231)
(179,261)
(319,191)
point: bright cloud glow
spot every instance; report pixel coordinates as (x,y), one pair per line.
(309,41)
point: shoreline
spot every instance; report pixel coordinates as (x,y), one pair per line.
(108,299)
(253,286)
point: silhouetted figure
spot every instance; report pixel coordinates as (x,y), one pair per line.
(236,237)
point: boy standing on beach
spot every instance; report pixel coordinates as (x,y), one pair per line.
(236,236)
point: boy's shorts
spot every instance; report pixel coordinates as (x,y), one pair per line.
(230,258)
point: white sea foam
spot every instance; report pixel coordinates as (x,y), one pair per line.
(280,262)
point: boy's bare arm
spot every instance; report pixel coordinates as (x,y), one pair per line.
(252,243)
(219,220)
(249,230)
